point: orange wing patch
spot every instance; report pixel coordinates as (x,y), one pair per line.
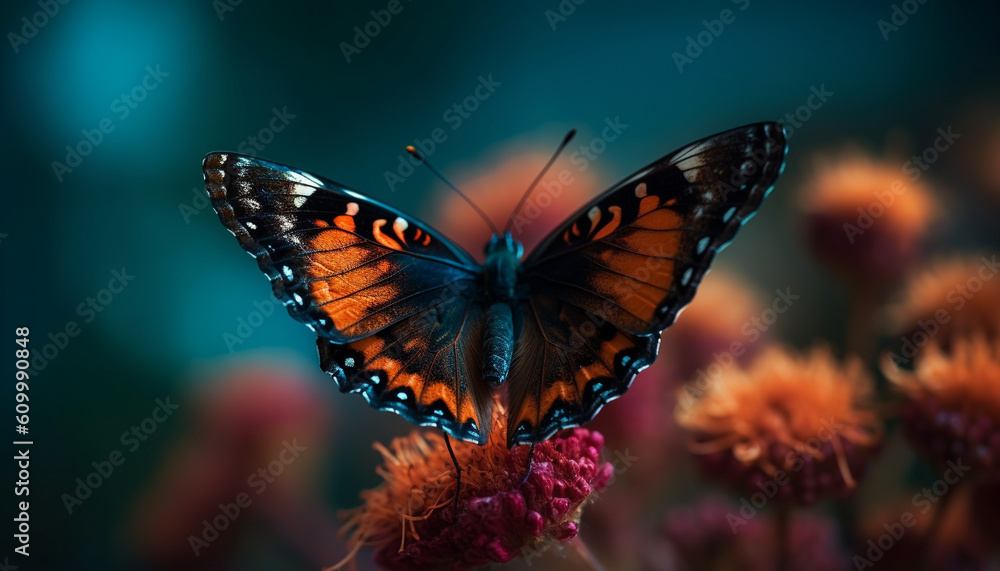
(382,238)
(616,219)
(343,272)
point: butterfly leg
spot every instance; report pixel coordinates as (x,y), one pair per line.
(458,469)
(527,471)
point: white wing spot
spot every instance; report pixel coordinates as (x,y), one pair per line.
(702,244)
(301,194)
(303,178)
(595,216)
(640,190)
(250,225)
(352,208)
(349,362)
(399,226)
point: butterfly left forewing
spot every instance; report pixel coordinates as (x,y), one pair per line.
(604,285)
(394,303)
(342,263)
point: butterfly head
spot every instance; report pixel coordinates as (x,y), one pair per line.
(504,243)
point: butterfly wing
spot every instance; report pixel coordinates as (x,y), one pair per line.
(391,300)
(604,285)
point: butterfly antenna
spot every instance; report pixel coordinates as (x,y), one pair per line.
(527,472)
(527,193)
(458,469)
(438,174)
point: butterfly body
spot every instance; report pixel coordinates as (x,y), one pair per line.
(501,272)
(414,324)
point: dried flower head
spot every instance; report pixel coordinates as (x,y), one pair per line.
(865,219)
(414,523)
(952,402)
(956,297)
(794,428)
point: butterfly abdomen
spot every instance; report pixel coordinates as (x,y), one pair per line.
(498,344)
(500,273)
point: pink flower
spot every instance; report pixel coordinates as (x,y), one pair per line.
(414,523)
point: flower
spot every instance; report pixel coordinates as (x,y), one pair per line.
(713,535)
(414,522)
(952,402)
(954,297)
(941,535)
(864,219)
(242,417)
(795,428)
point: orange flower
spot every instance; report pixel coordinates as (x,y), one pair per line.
(414,523)
(952,408)
(802,423)
(951,298)
(865,219)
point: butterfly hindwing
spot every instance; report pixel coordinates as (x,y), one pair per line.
(426,368)
(342,263)
(606,283)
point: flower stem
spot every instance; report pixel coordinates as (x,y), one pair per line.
(930,538)
(584,552)
(861,335)
(781,532)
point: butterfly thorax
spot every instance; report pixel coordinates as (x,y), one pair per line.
(500,274)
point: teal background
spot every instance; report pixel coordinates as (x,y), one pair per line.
(122,207)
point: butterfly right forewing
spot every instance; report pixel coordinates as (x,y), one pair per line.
(606,283)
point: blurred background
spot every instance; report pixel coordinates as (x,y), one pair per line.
(163,374)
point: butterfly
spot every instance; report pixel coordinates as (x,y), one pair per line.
(415,324)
